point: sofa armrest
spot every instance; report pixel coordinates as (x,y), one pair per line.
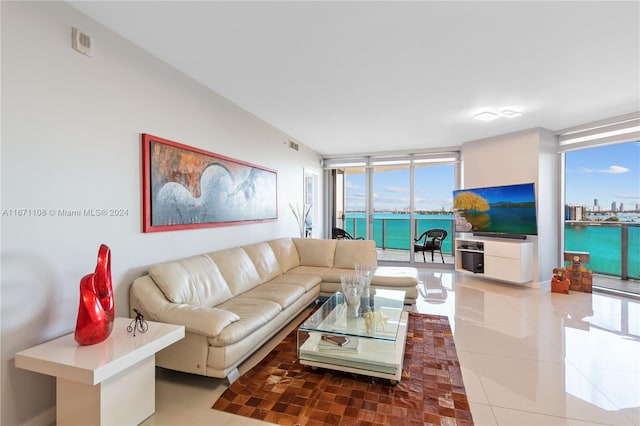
(149,299)
(200,320)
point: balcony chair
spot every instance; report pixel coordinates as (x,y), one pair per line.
(341,234)
(430,240)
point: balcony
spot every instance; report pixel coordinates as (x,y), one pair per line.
(614,249)
(392,255)
(614,246)
(392,237)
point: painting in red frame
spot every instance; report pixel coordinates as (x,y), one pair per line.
(185,188)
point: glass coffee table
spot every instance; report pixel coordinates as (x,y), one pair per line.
(372,343)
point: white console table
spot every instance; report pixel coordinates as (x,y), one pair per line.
(502,259)
(109,383)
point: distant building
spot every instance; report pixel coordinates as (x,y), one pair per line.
(613,207)
(575,212)
(621,209)
(638,207)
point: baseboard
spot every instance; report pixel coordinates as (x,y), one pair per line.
(544,285)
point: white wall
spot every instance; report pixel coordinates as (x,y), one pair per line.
(71,129)
(501,160)
(522,157)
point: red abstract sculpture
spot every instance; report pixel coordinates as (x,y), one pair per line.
(95,314)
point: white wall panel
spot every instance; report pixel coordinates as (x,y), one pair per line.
(71,128)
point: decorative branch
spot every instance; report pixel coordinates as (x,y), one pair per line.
(301,216)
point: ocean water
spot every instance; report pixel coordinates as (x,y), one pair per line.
(396,228)
(602,242)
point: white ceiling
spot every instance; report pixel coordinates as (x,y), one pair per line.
(353,77)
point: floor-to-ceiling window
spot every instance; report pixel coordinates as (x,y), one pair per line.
(434,185)
(602,200)
(391,203)
(392,200)
(347,199)
(355,201)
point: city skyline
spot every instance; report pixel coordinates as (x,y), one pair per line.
(609,173)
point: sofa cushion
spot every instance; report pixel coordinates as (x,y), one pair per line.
(306,281)
(194,281)
(281,293)
(350,252)
(310,270)
(237,269)
(286,253)
(333,275)
(264,259)
(315,252)
(253,314)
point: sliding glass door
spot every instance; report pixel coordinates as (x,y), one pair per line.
(394,200)
(602,212)
(392,211)
(350,201)
(433,204)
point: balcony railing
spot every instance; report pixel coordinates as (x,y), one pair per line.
(394,233)
(614,247)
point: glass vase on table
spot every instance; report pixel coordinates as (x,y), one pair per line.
(364,273)
(351,291)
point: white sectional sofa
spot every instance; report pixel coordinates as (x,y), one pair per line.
(232,301)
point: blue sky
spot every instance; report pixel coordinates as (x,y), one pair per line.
(434,188)
(609,173)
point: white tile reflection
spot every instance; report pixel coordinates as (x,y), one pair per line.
(529,356)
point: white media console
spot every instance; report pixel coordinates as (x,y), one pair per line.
(499,259)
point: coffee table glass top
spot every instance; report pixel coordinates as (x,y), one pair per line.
(378,316)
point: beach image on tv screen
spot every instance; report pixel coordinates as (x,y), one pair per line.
(509,209)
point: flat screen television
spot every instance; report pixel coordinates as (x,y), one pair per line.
(507,211)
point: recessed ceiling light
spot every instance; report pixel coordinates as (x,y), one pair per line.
(486,116)
(509,113)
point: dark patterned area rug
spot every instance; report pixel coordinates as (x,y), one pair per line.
(281,390)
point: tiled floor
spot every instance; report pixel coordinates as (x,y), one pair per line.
(391,257)
(528,357)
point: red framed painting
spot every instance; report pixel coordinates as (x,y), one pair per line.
(185,188)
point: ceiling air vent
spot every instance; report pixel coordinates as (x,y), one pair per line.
(81,42)
(294,146)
